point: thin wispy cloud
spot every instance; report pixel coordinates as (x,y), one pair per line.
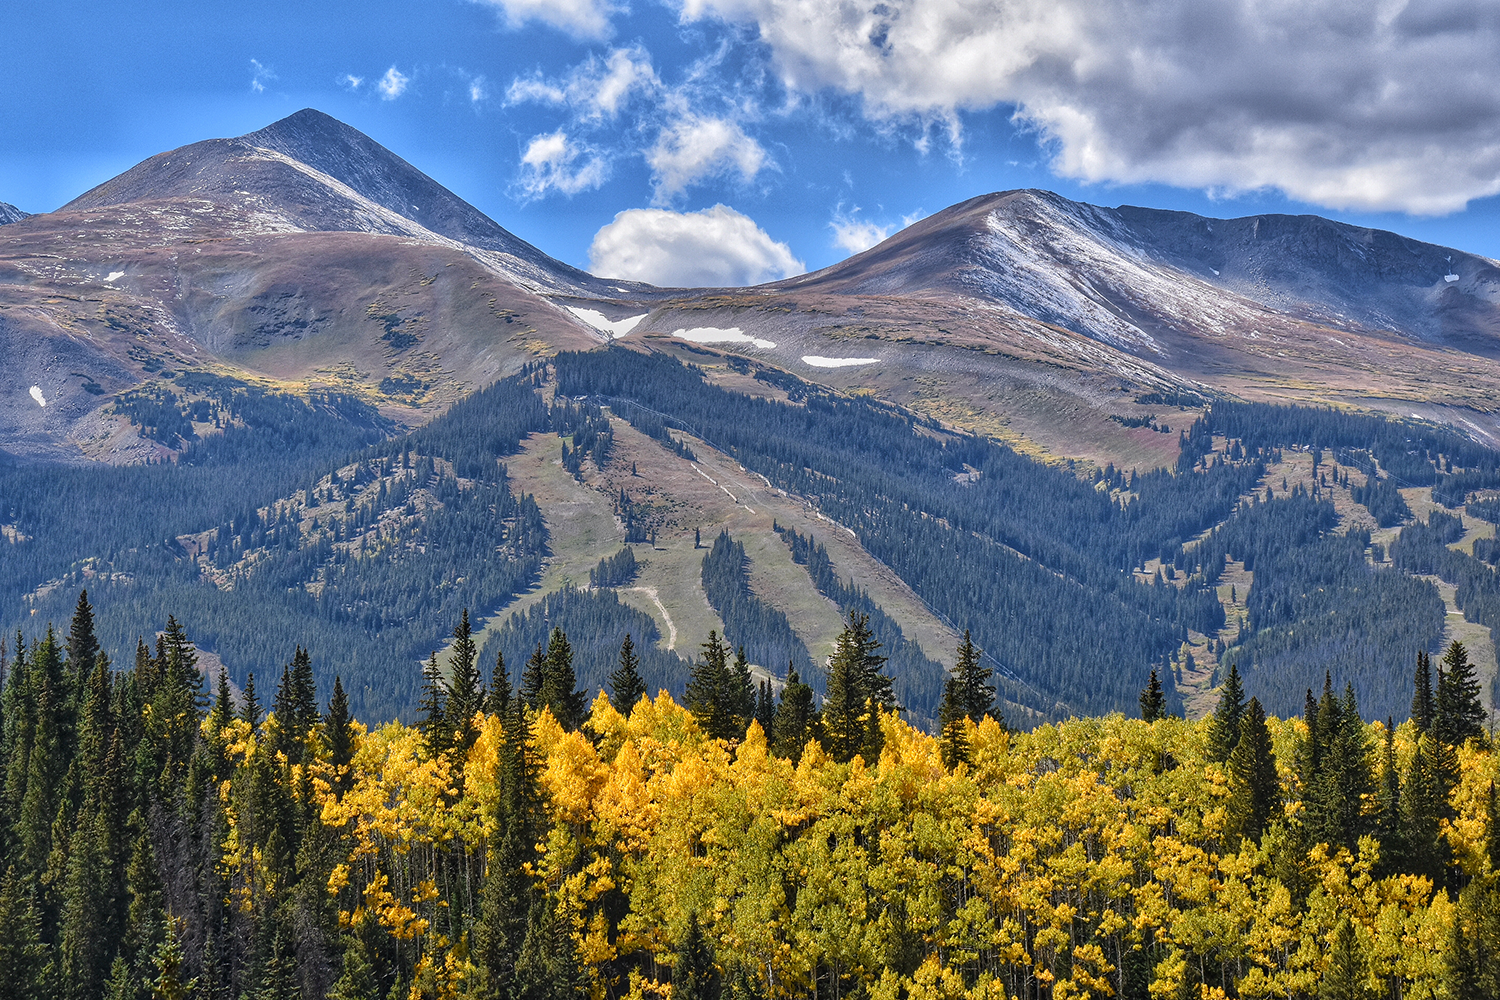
(260,75)
(351,82)
(590,19)
(595,89)
(392,85)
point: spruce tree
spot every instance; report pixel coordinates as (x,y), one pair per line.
(1422,805)
(1153,701)
(24,966)
(1224,730)
(465,687)
(534,679)
(1346,970)
(626,687)
(338,731)
(507,894)
(708,690)
(976,695)
(741,694)
(954,734)
(765,709)
(1254,787)
(569,706)
(1422,707)
(433,721)
(83,647)
(797,718)
(857,693)
(1459,711)
(694,976)
(1492,830)
(250,707)
(499,700)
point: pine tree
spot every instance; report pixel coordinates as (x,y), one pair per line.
(1224,730)
(250,707)
(857,693)
(507,895)
(1153,701)
(171,982)
(954,738)
(741,694)
(357,981)
(1344,975)
(1342,780)
(1422,707)
(534,679)
(83,647)
(1254,787)
(568,705)
(23,954)
(1422,805)
(433,722)
(694,976)
(797,718)
(625,684)
(548,967)
(708,690)
(976,695)
(1388,821)
(765,709)
(465,687)
(499,701)
(338,730)
(1492,830)
(1459,712)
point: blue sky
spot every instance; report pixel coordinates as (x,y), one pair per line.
(820,124)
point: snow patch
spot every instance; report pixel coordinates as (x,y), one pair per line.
(614,327)
(719,335)
(114,276)
(36,394)
(1450,277)
(818,361)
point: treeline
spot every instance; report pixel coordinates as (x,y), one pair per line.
(917,679)
(299,543)
(760,631)
(1033,559)
(522,843)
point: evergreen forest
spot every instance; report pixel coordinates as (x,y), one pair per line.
(531,835)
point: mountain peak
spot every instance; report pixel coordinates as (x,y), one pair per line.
(10,213)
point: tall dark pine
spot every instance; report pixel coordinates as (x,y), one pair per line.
(1459,712)
(709,687)
(465,687)
(1224,730)
(433,720)
(250,704)
(694,976)
(741,695)
(1422,706)
(1153,701)
(765,709)
(568,705)
(857,693)
(953,740)
(797,718)
(976,695)
(534,678)
(83,647)
(1254,787)
(338,730)
(625,684)
(499,700)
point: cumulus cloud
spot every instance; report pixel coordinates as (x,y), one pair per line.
(553,162)
(854,235)
(717,246)
(351,82)
(580,18)
(479,89)
(1374,106)
(695,148)
(392,85)
(596,89)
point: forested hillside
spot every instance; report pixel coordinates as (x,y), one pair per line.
(520,843)
(287,521)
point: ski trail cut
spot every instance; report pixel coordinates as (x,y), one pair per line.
(671,629)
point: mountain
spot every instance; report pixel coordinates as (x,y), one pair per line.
(291,390)
(10,213)
(298,256)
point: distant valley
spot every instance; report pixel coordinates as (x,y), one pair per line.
(293,391)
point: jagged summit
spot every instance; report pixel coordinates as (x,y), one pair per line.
(10,213)
(311,172)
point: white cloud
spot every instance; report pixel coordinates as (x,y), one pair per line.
(393,84)
(693,148)
(260,75)
(1387,105)
(854,235)
(350,81)
(596,88)
(552,163)
(717,246)
(580,18)
(478,89)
